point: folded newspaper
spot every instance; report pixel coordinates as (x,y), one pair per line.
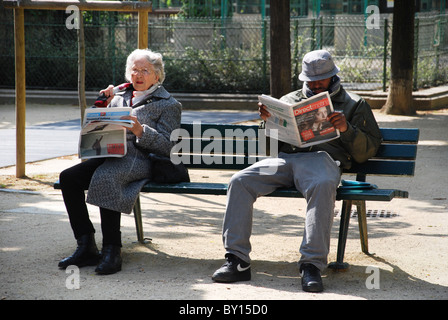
(103,133)
(302,124)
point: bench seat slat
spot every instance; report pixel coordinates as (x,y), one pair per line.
(371,194)
(186,187)
(221,189)
(207,188)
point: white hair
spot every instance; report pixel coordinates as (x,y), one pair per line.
(153,58)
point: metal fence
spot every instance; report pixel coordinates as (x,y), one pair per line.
(215,55)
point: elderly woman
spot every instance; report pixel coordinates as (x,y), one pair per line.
(114,183)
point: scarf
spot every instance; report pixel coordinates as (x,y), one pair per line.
(335,85)
(138,96)
(101,101)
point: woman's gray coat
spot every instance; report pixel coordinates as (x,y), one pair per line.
(116,183)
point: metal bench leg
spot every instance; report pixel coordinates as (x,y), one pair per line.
(138,221)
(362,221)
(343,232)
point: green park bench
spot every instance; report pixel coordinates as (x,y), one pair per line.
(234,147)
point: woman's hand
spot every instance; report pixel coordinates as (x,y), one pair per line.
(264,114)
(137,128)
(108,92)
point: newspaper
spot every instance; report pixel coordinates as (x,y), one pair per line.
(103,133)
(302,124)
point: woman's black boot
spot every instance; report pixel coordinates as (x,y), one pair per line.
(86,254)
(110,260)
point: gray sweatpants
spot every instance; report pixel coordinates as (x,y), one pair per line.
(315,174)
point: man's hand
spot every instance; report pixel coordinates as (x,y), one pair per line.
(338,121)
(264,114)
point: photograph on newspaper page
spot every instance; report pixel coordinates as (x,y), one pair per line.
(302,124)
(103,133)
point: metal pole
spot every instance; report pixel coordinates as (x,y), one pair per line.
(386,38)
(416,36)
(321,32)
(265,55)
(313,34)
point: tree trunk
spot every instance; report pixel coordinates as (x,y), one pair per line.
(280,49)
(399,100)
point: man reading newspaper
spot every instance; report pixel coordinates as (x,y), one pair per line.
(315,171)
(302,124)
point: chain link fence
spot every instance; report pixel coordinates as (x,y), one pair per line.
(215,55)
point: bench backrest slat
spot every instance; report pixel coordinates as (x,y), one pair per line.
(384,167)
(227,146)
(397,151)
(409,135)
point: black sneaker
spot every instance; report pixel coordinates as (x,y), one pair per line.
(233,270)
(311,279)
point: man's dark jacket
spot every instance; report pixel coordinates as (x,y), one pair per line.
(362,138)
